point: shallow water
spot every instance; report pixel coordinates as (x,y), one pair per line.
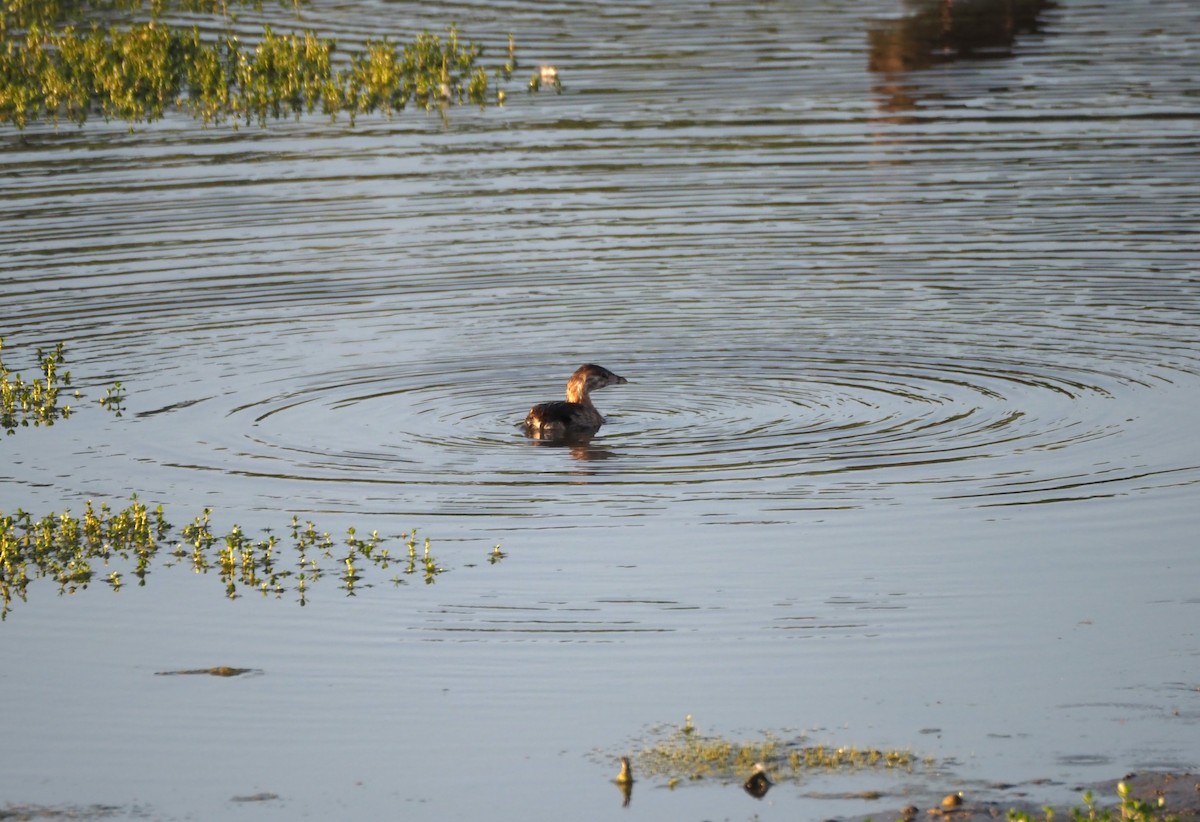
(904,458)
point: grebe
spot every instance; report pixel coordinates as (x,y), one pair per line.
(577,416)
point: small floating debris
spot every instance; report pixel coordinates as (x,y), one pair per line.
(624,781)
(952,805)
(545,76)
(266,796)
(758,784)
(220,670)
(93,811)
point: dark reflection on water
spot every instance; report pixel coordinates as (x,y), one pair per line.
(935,32)
(939,31)
(580,448)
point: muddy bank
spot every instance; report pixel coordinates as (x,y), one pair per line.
(1179,793)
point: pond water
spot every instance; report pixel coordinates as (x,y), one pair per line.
(910,315)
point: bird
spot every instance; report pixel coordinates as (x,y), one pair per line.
(576,417)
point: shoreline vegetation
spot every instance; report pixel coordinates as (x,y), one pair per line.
(58,65)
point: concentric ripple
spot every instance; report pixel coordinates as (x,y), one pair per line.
(735,429)
(830,287)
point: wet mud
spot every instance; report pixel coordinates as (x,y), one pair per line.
(1179,793)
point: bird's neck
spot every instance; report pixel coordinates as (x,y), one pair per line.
(577,392)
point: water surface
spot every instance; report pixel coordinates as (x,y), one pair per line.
(904,459)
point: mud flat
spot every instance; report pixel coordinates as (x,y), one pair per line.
(1178,793)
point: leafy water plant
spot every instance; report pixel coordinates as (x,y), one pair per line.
(139,71)
(37,403)
(19,15)
(34,403)
(65,548)
(72,551)
(1130,809)
(114,399)
(682,753)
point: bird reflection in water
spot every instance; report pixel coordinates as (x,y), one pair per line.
(943,31)
(580,448)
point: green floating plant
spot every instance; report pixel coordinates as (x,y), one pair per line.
(114,399)
(683,753)
(19,15)
(36,403)
(66,548)
(258,564)
(138,72)
(1130,809)
(75,551)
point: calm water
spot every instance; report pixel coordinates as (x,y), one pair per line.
(907,456)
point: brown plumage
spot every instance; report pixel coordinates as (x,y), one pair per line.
(577,416)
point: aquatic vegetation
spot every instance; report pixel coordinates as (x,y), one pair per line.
(114,399)
(682,753)
(257,565)
(18,15)
(37,403)
(64,547)
(1130,809)
(74,552)
(137,72)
